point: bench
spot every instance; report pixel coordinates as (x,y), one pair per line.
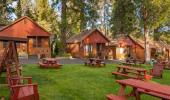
(121,74)
(153,94)
(130,72)
(114,97)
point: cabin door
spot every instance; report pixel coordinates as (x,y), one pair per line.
(99,50)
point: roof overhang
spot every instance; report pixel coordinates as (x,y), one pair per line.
(13,39)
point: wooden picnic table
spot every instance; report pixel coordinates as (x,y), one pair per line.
(50,59)
(49,63)
(132,62)
(131,72)
(95,62)
(154,89)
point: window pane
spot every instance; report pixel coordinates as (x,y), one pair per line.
(5,44)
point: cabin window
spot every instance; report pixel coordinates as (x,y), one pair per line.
(39,43)
(17,45)
(36,43)
(88,48)
(5,44)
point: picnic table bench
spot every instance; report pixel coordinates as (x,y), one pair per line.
(142,87)
(131,72)
(49,63)
(94,62)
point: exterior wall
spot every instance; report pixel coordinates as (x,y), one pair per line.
(21,48)
(40,47)
(79,49)
(22,28)
(111,52)
(74,50)
(24,51)
(1,47)
(140,53)
(122,51)
(95,37)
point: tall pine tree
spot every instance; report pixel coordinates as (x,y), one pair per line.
(123,17)
(152,14)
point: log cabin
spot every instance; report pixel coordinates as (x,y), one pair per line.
(124,46)
(30,38)
(89,43)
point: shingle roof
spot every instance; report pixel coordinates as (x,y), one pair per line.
(80,37)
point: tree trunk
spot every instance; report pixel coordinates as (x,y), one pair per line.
(63,24)
(147,48)
(146,33)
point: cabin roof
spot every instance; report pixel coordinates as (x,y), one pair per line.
(141,43)
(21,29)
(85,33)
(127,41)
(2,26)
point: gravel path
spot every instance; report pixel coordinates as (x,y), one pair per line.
(34,60)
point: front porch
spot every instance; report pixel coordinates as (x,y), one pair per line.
(96,50)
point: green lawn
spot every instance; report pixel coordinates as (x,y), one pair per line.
(77,82)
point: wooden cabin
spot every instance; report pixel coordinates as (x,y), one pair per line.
(89,43)
(32,38)
(124,46)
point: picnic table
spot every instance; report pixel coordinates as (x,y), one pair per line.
(144,87)
(132,62)
(49,63)
(94,62)
(131,72)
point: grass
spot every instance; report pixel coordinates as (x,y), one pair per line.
(77,82)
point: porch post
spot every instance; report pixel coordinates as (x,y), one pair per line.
(36,41)
(28,49)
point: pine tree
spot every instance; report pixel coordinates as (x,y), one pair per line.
(123,17)
(19,9)
(152,14)
(42,11)
(5,11)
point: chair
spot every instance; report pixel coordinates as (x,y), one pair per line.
(157,70)
(20,90)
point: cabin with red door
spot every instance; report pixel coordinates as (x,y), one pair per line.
(89,43)
(32,38)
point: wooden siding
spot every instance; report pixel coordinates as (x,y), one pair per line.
(22,28)
(41,48)
(31,50)
(95,37)
(140,53)
(111,52)
(74,49)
